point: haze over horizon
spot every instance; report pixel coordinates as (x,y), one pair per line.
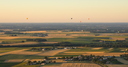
(17,11)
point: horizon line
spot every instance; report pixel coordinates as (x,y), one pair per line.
(63,22)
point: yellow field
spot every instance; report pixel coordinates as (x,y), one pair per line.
(36,60)
(116,65)
(9,37)
(82,35)
(103,54)
(52,52)
(74,52)
(16,51)
(75,65)
(34,32)
(97,48)
(53,32)
(24,52)
(7,29)
(116,38)
(49,42)
(13,60)
(79,65)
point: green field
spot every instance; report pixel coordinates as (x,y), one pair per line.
(7,64)
(87,49)
(13,56)
(24,64)
(72,40)
(80,40)
(90,49)
(7,49)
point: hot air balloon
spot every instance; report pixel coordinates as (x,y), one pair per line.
(88,18)
(26,18)
(71,18)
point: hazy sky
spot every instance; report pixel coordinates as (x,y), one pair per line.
(63,10)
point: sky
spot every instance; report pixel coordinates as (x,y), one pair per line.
(63,10)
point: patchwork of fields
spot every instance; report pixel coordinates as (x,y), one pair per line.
(18,55)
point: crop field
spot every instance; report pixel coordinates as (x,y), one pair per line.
(79,65)
(74,65)
(20,37)
(122,60)
(52,53)
(103,54)
(73,37)
(26,43)
(98,49)
(34,32)
(89,53)
(14,61)
(54,31)
(77,35)
(52,65)
(8,64)
(15,51)
(116,65)
(16,56)
(60,61)
(72,40)
(49,42)
(24,52)
(88,49)
(24,65)
(47,53)
(95,51)
(3,50)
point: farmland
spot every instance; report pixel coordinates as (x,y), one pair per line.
(63,45)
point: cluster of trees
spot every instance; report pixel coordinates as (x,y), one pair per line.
(37,40)
(45,61)
(101,60)
(12,32)
(40,34)
(93,58)
(125,56)
(41,49)
(94,28)
(109,45)
(40,62)
(115,44)
(10,42)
